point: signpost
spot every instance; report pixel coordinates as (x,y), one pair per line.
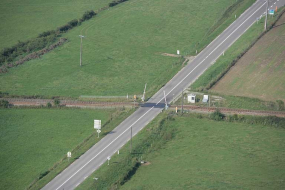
(97,125)
(108,158)
(68,155)
(271,11)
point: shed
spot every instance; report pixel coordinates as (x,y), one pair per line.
(205,98)
(192,98)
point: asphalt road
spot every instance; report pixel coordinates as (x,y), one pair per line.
(77,172)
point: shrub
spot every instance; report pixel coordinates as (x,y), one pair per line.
(280,105)
(4,104)
(56,102)
(49,105)
(47,33)
(87,15)
(217,115)
(73,23)
(64,28)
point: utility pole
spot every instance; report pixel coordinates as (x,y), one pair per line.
(81,50)
(265,23)
(131,147)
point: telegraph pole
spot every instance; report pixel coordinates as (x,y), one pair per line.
(265,23)
(131,140)
(81,50)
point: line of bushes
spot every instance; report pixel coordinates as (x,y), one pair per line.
(157,136)
(215,79)
(34,55)
(24,51)
(273,121)
(116,2)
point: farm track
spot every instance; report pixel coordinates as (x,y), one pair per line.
(88,104)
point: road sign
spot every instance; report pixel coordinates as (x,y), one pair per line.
(108,158)
(68,154)
(271,11)
(97,124)
(98,131)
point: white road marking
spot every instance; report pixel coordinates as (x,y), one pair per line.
(211,53)
(104,148)
(85,177)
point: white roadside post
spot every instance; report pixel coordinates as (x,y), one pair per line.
(68,155)
(143,97)
(97,125)
(108,158)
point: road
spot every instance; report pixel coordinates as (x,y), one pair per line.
(77,172)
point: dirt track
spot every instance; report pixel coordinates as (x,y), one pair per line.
(83,104)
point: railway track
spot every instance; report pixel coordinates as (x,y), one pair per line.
(89,104)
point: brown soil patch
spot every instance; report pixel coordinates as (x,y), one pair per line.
(146,164)
(260,72)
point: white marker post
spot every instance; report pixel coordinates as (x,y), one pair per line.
(178,52)
(108,158)
(68,155)
(97,125)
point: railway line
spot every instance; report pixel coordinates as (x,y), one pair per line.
(90,104)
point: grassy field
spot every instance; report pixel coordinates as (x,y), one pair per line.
(200,154)
(25,19)
(206,81)
(122,50)
(33,140)
(260,72)
(207,154)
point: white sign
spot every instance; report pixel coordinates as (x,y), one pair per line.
(97,124)
(68,154)
(108,158)
(178,52)
(98,131)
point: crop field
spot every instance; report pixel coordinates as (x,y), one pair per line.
(25,19)
(33,140)
(260,72)
(122,50)
(208,154)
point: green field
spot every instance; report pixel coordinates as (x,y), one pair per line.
(25,19)
(202,154)
(260,72)
(215,155)
(122,49)
(33,140)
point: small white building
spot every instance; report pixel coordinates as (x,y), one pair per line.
(192,98)
(205,98)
